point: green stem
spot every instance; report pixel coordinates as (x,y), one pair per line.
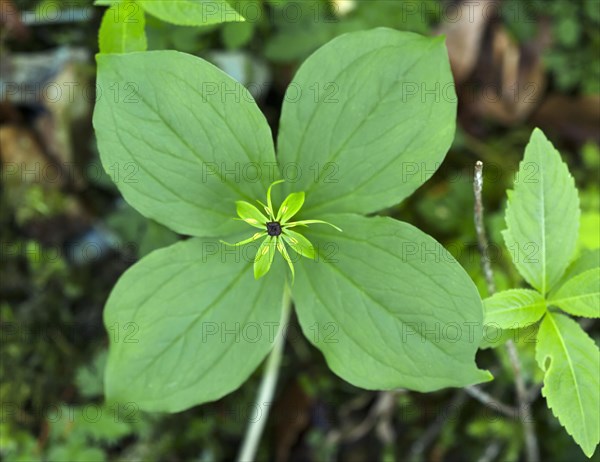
(266,389)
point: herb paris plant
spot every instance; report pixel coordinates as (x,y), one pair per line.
(384,302)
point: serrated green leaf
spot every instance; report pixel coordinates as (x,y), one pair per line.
(191,12)
(512,309)
(494,336)
(542,215)
(580,296)
(200,326)
(571,362)
(122,29)
(367,119)
(176,147)
(589,237)
(589,259)
(389,307)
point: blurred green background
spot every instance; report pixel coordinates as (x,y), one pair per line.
(67,235)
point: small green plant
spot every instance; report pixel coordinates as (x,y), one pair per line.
(542,218)
(384,302)
(123,23)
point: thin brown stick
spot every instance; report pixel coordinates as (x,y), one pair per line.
(432,432)
(491,402)
(531,443)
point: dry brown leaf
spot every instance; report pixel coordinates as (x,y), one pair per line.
(464,36)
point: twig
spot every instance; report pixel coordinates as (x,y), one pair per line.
(531,443)
(482,240)
(384,406)
(534,392)
(491,402)
(426,438)
(491,452)
(379,417)
(267,386)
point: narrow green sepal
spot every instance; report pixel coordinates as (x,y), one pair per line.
(264,257)
(269,201)
(250,214)
(290,207)
(286,256)
(268,211)
(245,241)
(310,222)
(299,243)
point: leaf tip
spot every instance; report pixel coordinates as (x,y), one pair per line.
(486,376)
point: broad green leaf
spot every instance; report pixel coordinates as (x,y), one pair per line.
(542,215)
(179,149)
(191,12)
(188,324)
(580,296)
(122,29)
(388,306)
(512,309)
(571,362)
(367,119)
